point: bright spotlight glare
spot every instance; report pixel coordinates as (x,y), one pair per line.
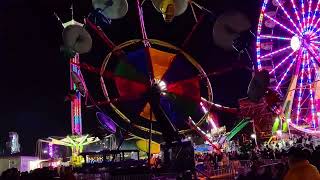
(162,85)
(253,136)
(295,43)
(279,132)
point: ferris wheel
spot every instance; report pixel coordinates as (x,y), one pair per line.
(288,47)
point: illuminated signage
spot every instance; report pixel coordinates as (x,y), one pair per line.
(92,159)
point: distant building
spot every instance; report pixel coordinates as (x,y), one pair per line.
(13,145)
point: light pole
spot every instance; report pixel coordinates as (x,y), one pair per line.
(254,135)
(288,121)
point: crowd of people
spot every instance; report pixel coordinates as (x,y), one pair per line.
(295,165)
(270,160)
(290,159)
(45,173)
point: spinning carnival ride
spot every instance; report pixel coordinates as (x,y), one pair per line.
(175,77)
(288,47)
(151,88)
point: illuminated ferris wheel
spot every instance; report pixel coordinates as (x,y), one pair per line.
(288,40)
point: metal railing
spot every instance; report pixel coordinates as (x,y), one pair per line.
(234,168)
(104,176)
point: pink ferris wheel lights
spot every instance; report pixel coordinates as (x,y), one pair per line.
(295,73)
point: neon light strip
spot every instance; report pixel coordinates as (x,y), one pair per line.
(304,130)
(275,52)
(315,27)
(76,103)
(281,25)
(284,60)
(274,37)
(290,19)
(314,51)
(300,87)
(311,92)
(315,37)
(214,126)
(314,14)
(314,80)
(314,66)
(142,27)
(296,13)
(285,74)
(309,13)
(303,13)
(211,121)
(259,31)
(50,150)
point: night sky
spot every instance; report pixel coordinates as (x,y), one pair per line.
(34,74)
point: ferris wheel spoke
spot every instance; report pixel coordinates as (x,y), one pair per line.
(309,14)
(274,37)
(314,37)
(283,61)
(303,14)
(311,92)
(275,52)
(296,13)
(288,16)
(286,73)
(280,24)
(313,50)
(300,89)
(313,26)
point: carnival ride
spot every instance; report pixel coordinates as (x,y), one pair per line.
(287,46)
(152,90)
(76,41)
(159,85)
(159,75)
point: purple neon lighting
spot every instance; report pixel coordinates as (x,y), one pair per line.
(285,74)
(311,93)
(107,122)
(315,27)
(288,16)
(297,18)
(50,150)
(303,13)
(276,52)
(284,60)
(259,31)
(315,12)
(296,13)
(274,37)
(315,37)
(76,121)
(314,51)
(280,24)
(309,14)
(300,89)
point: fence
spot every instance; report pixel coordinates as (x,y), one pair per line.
(234,168)
(104,176)
(222,172)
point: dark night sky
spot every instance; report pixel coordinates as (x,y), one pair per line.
(34,74)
